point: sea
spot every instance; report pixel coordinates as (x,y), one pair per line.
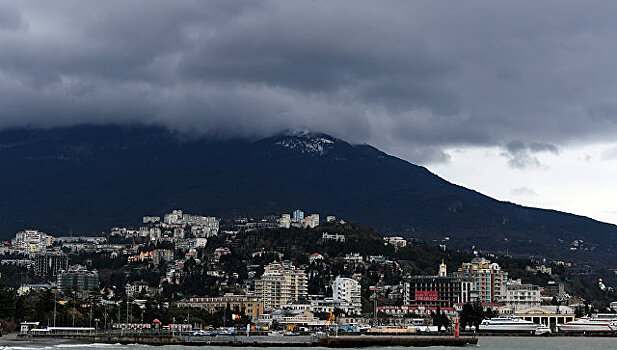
(527,343)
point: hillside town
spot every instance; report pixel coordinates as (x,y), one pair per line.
(292,271)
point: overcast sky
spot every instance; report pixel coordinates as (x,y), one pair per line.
(515,99)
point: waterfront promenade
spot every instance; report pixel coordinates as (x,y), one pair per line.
(346,341)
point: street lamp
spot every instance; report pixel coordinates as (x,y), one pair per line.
(55,303)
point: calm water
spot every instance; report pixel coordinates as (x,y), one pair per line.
(527,343)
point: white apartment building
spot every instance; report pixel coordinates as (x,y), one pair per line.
(397,242)
(206,226)
(31,241)
(320,304)
(138,287)
(281,283)
(333,237)
(201,226)
(173,218)
(155,233)
(151,219)
(285,221)
(521,295)
(347,291)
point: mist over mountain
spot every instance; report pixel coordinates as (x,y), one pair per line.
(85,179)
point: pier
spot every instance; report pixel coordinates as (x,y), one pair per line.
(389,340)
(343,341)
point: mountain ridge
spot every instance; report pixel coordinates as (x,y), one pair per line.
(88,178)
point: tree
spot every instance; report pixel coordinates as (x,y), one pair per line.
(437,319)
(473,314)
(579,312)
(489,313)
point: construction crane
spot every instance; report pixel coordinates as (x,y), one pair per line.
(331,321)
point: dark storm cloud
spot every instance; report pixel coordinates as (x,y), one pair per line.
(412,77)
(522,156)
(10,19)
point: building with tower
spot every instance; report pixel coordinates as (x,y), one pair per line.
(441,290)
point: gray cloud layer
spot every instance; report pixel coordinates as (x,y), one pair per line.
(412,77)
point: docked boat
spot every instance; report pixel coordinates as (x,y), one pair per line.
(589,325)
(511,324)
(543,330)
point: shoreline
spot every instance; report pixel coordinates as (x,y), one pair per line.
(347,341)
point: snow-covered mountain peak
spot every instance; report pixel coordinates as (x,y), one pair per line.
(306,142)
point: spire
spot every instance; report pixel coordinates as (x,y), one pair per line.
(443,272)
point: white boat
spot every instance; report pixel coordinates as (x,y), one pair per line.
(510,324)
(542,329)
(589,325)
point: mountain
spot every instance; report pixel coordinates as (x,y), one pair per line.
(86,179)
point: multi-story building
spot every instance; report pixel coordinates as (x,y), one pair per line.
(281,284)
(205,226)
(311,221)
(25,263)
(162,256)
(347,291)
(488,280)
(298,215)
(31,241)
(325,236)
(320,304)
(50,263)
(151,219)
(138,288)
(173,218)
(206,231)
(209,225)
(155,233)
(27,288)
(555,289)
(397,242)
(144,231)
(441,290)
(118,231)
(178,233)
(285,221)
(248,305)
(521,295)
(78,277)
(540,269)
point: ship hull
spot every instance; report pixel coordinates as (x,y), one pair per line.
(508,329)
(601,328)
